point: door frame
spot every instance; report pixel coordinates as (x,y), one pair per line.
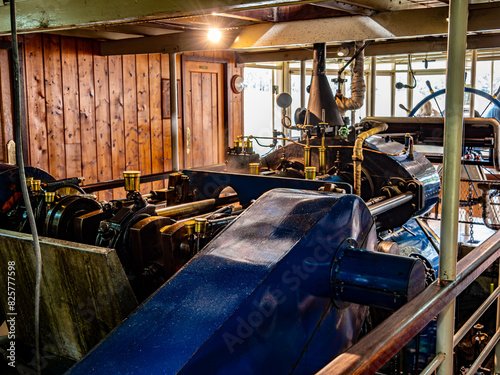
(226,114)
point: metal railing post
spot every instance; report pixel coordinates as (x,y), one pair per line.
(454,113)
(302,84)
(373,82)
(497,347)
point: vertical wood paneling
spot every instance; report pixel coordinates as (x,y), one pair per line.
(87,108)
(130,113)
(71,107)
(157,163)
(214,110)
(143,121)
(187,122)
(206,119)
(167,138)
(102,124)
(6,102)
(54,106)
(110,111)
(116,118)
(236,109)
(35,102)
(196,121)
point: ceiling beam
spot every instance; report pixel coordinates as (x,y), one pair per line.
(172,43)
(97,34)
(346,7)
(46,15)
(395,47)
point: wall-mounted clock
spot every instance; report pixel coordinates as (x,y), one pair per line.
(237,84)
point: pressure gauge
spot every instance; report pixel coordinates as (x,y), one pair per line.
(237,84)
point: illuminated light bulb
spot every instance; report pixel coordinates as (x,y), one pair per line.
(214,35)
(343,51)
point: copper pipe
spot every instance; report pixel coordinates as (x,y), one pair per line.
(357,154)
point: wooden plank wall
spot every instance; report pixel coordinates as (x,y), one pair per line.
(95,116)
(234,103)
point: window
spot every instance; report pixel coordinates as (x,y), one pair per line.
(258,102)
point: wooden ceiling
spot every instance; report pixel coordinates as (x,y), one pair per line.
(139,26)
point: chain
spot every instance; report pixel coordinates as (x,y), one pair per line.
(470,196)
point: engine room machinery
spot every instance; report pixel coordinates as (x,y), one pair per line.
(267,265)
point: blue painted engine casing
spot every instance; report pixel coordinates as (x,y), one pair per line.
(256,300)
(9,179)
(418,168)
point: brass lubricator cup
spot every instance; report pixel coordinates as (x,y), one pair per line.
(36,185)
(237,146)
(310,173)
(50,197)
(132,180)
(200,225)
(29,180)
(189,225)
(254,168)
(249,147)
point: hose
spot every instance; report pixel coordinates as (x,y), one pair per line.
(357,152)
(22,177)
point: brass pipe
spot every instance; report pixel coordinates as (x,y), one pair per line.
(322,154)
(357,154)
(307,151)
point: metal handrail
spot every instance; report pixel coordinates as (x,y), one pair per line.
(434,364)
(381,344)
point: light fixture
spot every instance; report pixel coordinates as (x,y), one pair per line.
(214,35)
(343,50)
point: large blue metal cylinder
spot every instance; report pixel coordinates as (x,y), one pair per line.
(376,279)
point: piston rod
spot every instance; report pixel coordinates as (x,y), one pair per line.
(390,203)
(198,206)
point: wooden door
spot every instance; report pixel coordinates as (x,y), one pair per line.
(203,124)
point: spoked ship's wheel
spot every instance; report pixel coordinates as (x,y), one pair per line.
(490,206)
(435,94)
